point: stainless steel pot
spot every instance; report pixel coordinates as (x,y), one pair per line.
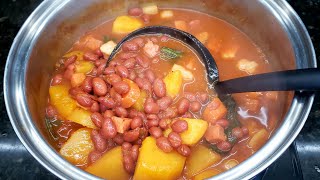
(55,25)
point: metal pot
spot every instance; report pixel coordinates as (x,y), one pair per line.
(55,25)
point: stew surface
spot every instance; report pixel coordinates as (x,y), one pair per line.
(150,113)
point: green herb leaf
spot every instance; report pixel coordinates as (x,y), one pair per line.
(168,53)
(106,39)
(49,126)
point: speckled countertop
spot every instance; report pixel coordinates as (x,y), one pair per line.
(300,161)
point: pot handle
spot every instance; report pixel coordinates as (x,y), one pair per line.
(298,80)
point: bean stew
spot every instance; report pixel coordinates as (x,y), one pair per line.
(150,113)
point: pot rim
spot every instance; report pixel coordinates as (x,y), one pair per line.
(16,102)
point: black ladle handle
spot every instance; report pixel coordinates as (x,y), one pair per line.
(298,80)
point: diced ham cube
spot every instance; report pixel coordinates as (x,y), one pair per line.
(122,124)
(151,49)
(90,42)
(247,66)
(214,111)
(215,134)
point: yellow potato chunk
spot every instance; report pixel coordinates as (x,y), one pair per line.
(126,24)
(203,37)
(258,139)
(201,157)
(139,104)
(196,129)
(82,116)
(109,166)
(173,83)
(60,99)
(79,55)
(78,147)
(155,164)
(206,174)
(84,67)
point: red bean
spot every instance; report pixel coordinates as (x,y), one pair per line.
(109,70)
(174,139)
(94,156)
(126,146)
(90,56)
(94,107)
(170,112)
(121,112)
(163,123)
(164,102)
(187,115)
(99,86)
(153,123)
(183,106)
(117,98)
(108,129)
(129,63)
(108,102)
(195,106)
(245,130)
(132,75)
(224,146)
(149,75)
(203,98)
(135,152)
(164,38)
(97,119)
(190,96)
(154,39)
(145,18)
(127,55)
(179,126)
(108,114)
(152,117)
(98,63)
(103,108)
(128,164)
(156,132)
(84,100)
(151,108)
(113,78)
(118,139)
(130,46)
(99,142)
(184,150)
(136,11)
(164,144)
(122,71)
(75,91)
(237,132)
(70,60)
(57,79)
(133,113)
(51,111)
(131,136)
(68,74)
(142,115)
(144,84)
(100,69)
(93,72)
(121,87)
(223,123)
(98,52)
(87,85)
(159,88)
(143,61)
(139,41)
(136,123)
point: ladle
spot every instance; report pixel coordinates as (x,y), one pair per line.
(298,80)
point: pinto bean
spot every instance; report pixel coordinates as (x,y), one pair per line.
(224,146)
(153,123)
(223,123)
(121,112)
(109,70)
(184,150)
(129,63)
(70,60)
(174,139)
(151,108)
(90,56)
(94,107)
(195,106)
(164,102)
(163,123)
(144,84)
(121,87)
(164,144)
(87,85)
(156,132)
(99,142)
(84,100)
(237,132)
(108,114)
(183,106)
(99,86)
(56,80)
(136,11)
(179,126)
(51,111)
(135,152)
(97,119)
(108,129)
(130,46)
(149,75)
(159,88)
(122,71)
(113,78)
(131,136)
(143,61)
(203,98)
(118,139)
(107,101)
(136,122)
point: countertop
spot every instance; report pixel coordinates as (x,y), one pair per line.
(303,155)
